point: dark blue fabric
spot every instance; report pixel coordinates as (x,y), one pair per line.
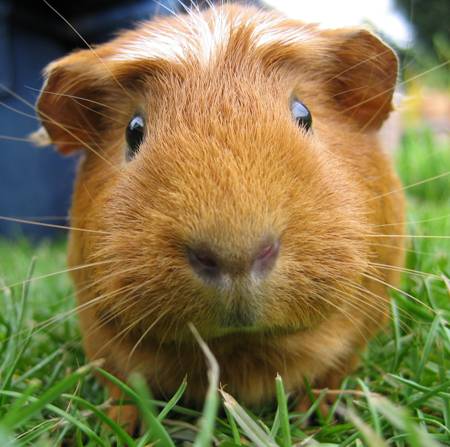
(37,182)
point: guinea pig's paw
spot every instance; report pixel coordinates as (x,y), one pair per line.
(323,409)
(330,386)
(127,416)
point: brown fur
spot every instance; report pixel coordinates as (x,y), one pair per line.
(223,161)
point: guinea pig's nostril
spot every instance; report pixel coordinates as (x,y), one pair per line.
(266,257)
(266,252)
(204,262)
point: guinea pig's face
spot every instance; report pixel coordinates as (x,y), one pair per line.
(213,176)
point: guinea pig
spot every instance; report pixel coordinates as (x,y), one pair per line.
(232,178)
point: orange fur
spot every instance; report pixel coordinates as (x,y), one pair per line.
(223,161)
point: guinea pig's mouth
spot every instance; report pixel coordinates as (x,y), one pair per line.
(238,318)
(256,329)
(248,318)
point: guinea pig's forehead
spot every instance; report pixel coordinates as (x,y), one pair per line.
(203,37)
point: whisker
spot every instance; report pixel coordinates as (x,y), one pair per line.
(423,73)
(44,324)
(125,305)
(375,115)
(42,224)
(404,188)
(346,314)
(93,131)
(433,219)
(60,317)
(144,334)
(354,106)
(27,115)
(165,7)
(43,218)
(81,98)
(88,45)
(58,124)
(186,8)
(97,112)
(363,291)
(374,244)
(49,275)
(405,270)
(376,56)
(13,109)
(366,303)
(417,236)
(11,138)
(88,304)
(400,291)
(29,140)
(119,336)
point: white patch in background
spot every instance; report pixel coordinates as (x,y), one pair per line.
(337,14)
(196,37)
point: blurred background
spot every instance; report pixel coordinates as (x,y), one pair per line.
(36,184)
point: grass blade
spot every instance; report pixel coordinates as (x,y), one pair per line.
(63,414)
(370,436)
(173,401)
(156,434)
(116,428)
(250,428)
(432,333)
(400,419)
(286,440)
(234,428)
(372,410)
(15,418)
(208,419)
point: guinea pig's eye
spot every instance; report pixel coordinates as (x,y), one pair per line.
(134,135)
(301,114)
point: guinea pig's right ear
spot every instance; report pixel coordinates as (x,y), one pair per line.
(362,76)
(73,102)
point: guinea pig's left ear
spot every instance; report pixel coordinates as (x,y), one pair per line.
(73,104)
(363,77)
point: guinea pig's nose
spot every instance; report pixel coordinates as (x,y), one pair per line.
(211,266)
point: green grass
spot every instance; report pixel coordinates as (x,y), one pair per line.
(400,396)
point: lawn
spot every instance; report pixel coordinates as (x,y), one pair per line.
(400,396)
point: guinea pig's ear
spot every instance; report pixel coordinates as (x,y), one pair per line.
(73,102)
(363,77)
